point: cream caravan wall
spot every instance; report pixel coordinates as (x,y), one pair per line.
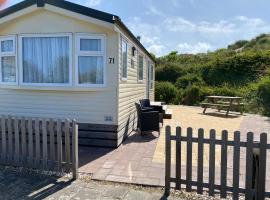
(89,106)
(130,90)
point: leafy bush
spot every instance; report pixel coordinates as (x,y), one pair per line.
(226,91)
(188,80)
(192,95)
(264,95)
(167,92)
(169,72)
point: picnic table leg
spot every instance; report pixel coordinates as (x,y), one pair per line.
(204,110)
(229,108)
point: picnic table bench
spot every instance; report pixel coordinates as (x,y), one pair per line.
(223,103)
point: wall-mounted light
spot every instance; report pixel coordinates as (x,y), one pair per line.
(133,51)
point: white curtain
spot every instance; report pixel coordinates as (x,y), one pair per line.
(8,69)
(90,44)
(7,46)
(45,60)
(91,70)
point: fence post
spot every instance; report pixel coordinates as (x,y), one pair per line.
(260,189)
(75,149)
(168,161)
(178,158)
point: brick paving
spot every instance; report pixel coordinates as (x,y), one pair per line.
(140,160)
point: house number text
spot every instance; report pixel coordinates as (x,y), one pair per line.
(111,60)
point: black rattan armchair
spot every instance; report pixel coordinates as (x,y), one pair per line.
(147,121)
(145,106)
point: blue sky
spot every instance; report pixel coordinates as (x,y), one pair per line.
(188,26)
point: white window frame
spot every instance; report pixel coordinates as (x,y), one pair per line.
(79,53)
(9,54)
(138,55)
(69,84)
(122,77)
(152,75)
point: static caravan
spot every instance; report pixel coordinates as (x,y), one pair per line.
(63,60)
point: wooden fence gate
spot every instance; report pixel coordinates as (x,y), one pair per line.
(255,163)
(47,144)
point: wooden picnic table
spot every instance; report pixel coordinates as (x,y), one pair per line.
(223,102)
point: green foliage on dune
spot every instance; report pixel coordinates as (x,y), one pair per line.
(241,69)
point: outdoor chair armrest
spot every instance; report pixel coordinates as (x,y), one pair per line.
(147,109)
(157,108)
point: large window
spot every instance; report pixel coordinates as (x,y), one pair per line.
(8,60)
(46,60)
(124,63)
(90,60)
(140,67)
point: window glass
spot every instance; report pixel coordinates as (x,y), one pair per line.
(8,69)
(90,44)
(152,77)
(46,60)
(124,59)
(7,46)
(91,70)
(140,67)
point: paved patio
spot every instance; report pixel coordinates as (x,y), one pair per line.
(140,160)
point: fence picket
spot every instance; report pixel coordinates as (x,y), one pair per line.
(17,141)
(67,144)
(59,144)
(75,149)
(4,139)
(200,162)
(168,160)
(223,175)
(23,134)
(189,160)
(44,144)
(10,143)
(178,158)
(236,163)
(262,166)
(212,164)
(37,139)
(249,166)
(30,142)
(51,132)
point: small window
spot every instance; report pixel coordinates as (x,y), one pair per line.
(140,67)
(8,60)
(152,77)
(124,62)
(90,60)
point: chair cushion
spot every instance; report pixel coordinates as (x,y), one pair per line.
(145,103)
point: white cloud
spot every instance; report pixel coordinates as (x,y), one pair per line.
(200,47)
(149,35)
(237,25)
(176,24)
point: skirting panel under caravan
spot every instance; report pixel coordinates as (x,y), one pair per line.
(102,135)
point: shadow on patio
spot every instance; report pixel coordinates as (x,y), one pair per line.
(23,185)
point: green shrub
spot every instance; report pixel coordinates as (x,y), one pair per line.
(167,92)
(226,91)
(170,72)
(188,80)
(264,95)
(192,95)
